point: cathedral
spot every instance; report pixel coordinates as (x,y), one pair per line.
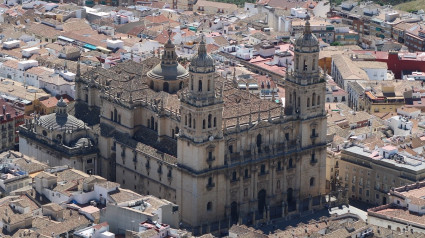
(221,154)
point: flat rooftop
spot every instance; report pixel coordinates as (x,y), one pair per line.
(18,91)
(411,164)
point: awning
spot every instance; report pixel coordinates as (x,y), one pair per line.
(65,39)
(90,47)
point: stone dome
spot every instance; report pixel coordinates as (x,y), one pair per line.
(169,69)
(168,72)
(56,122)
(202,62)
(307,39)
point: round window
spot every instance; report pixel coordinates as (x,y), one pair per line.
(44,133)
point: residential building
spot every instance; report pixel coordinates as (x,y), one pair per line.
(10,119)
(370,173)
(404,211)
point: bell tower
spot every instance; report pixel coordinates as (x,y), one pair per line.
(202,103)
(200,143)
(305,87)
(305,90)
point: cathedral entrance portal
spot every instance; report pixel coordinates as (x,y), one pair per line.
(234,212)
(290,200)
(261,202)
(165,87)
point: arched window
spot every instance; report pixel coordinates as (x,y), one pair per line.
(278,184)
(172,133)
(215,122)
(312,181)
(234,175)
(298,101)
(308,102)
(191,84)
(194,123)
(313,101)
(305,65)
(318,100)
(246,173)
(185,120)
(115,114)
(190,120)
(180,85)
(210,181)
(209,82)
(209,206)
(290,163)
(203,124)
(298,62)
(112,115)
(259,143)
(177,130)
(290,98)
(313,65)
(200,86)
(209,120)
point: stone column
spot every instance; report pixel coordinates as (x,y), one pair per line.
(268,213)
(320,195)
(310,203)
(298,206)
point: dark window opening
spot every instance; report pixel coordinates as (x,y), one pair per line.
(263,169)
(231,149)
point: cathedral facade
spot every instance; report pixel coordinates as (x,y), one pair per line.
(222,154)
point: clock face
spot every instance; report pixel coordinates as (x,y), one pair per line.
(211,138)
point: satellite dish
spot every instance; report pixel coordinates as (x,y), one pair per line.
(211,138)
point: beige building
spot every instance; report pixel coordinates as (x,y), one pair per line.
(369,174)
(220,153)
(210,7)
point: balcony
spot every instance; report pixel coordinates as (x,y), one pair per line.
(210,159)
(314,135)
(210,186)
